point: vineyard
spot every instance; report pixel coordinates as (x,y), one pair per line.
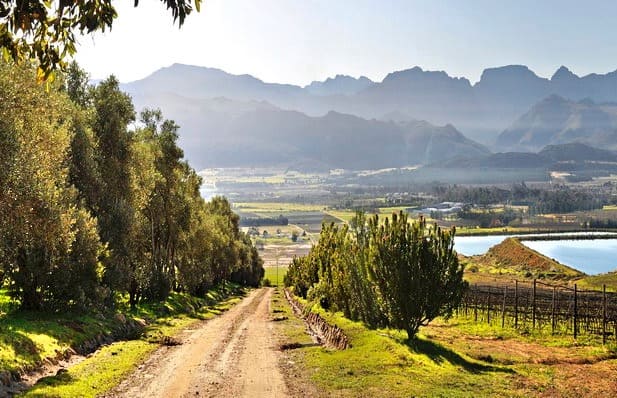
(534,305)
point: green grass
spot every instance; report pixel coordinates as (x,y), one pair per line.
(6,303)
(597,281)
(95,375)
(271,275)
(456,358)
(27,338)
(384,363)
(342,215)
(275,207)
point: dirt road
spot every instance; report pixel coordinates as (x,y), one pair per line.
(232,355)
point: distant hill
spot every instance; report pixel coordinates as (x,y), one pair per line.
(268,136)
(277,137)
(556,120)
(552,157)
(576,152)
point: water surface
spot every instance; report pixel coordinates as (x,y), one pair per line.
(589,256)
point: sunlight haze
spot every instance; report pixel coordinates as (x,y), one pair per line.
(301,41)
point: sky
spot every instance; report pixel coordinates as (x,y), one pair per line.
(298,41)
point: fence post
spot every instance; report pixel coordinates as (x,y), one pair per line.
(533,306)
(503,307)
(603,314)
(553,312)
(475,303)
(488,307)
(575,312)
(516,303)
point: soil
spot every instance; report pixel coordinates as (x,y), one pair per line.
(232,355)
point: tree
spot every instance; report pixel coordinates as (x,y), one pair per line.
(416,271)
(48,242)
(115,207)
(45,30)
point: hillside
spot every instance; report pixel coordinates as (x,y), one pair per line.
(556,120)
(511,257)
(265,137)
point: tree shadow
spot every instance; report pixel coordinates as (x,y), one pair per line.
(22,345)
(59,379)
(440,354)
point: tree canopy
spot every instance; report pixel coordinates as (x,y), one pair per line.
(94,209)
(397,273)
(45,30)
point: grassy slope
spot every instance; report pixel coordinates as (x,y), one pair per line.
(458,358)
(511,259)
(27,338)
(597,281)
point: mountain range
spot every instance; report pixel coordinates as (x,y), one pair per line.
(556,120)
(240,120)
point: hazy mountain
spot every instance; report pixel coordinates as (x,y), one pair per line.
(194,95)
(555,120)
(550,157)
(263,135)
(339,85)
(576,152)
(600,88)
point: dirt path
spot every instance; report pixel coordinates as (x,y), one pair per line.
(232,355)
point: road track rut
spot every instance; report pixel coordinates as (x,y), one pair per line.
(231,355)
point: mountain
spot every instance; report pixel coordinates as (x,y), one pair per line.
(230,133)
(552,157)
(339,85)
(565,108)
(556,120)
(198,82)
(576,152)
(335,140)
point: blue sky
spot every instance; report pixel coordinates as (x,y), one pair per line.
(297,41)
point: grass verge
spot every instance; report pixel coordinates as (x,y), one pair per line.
(28,338)
(457,358)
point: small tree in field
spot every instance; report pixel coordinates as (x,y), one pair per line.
(416,271)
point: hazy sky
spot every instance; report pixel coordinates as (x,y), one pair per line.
(297,41)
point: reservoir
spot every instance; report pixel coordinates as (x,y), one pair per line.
(589,256)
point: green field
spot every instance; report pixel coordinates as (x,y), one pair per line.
(274,275)
(275,207)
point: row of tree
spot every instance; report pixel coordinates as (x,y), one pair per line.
(394,273)
(557,199)
(94,206)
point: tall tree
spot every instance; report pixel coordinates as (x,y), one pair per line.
(41,223)
(115,211)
